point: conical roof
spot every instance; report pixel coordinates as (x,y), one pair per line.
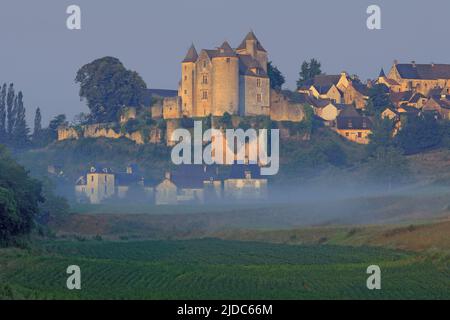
(382,74)
(191,55)
(225,50)
(251,36)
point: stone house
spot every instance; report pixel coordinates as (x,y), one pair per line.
(353,126)
(245,183)
(420,77)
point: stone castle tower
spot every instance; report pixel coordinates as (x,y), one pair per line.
(223,80)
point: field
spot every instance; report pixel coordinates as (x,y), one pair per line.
(217,269)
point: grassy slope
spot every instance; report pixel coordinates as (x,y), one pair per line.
(412,237)
(214,269)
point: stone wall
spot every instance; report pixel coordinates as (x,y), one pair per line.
(281,109)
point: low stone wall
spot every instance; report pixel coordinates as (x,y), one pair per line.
(107,131)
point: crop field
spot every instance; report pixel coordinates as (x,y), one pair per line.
(216,269)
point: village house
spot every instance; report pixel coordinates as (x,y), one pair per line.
(439,105)
(193,184)
(245,183)
(353,126)
(101,183)
(96,185)
(419,77)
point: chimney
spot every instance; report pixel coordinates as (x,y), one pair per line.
(395,62)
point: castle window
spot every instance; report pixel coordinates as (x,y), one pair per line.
(92,178)
(204,95)
(258,97)
(359,135)
(258,83)
(228,60)
(204,64)
(205,79)
(185,78)
(185,91)
(106,179)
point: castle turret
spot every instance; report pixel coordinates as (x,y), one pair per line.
(187,87)
(226,81)
(251,46)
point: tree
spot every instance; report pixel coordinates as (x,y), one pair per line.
(37,130)
(11,118)
(3,113)
(381,136)
(107,86)
(20,196)
(276,77)
(378,100)
(419,133)
(308,71)
(388,166)
(20,131)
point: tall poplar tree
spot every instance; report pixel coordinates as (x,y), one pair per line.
(3,113)
(10,98)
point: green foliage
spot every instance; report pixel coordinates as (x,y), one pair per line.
(214,269)
(308,71)
(381,136)
(3,114)
(225,121)
(19,198)
(276,77)
(107,86)
(419,133)
(20,131)
(378,100)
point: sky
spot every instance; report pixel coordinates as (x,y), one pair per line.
(41,56)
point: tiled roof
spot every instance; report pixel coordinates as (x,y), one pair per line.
(251,36)
(424,71)
(191,55)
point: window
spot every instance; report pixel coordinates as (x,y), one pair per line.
(185,91)
(258,83)
(359,134)
(204,95)
(185,78)
(106,179)
(258,97)
(204,64)
(228,60)
(92,178)
(347,134)
(350,124)
(205,79)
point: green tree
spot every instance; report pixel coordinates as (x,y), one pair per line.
(37,130)
(107,86)
(378,100)
(419,133)
(276,77)
(11,118)
(308,71)
(20,196)
(381,136)
(3,113)
(20,130)
(388,167)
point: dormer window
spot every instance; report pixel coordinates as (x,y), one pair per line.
(350,124)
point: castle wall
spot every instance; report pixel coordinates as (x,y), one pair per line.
(172,108)
(281,109)
(188,92)
(226,85)
(204,87)
(254,95)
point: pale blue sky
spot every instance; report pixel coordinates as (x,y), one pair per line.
(41,56)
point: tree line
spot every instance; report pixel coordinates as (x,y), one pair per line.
(14,130)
